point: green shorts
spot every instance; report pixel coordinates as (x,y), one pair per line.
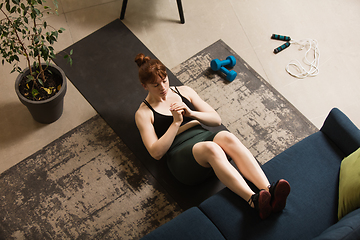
(180,159)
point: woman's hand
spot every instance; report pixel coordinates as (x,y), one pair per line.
(204,113)
(181,106)
(177,111)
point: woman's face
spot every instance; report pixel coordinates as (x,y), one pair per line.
(159,88)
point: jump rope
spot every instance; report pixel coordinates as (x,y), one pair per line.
(312,47)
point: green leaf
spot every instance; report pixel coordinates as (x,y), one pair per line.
(30,78)
(56,4)
(11,59)
(36,39)
(41,82)
(70,61)
(35,65)
(36,53)
(34,92)
(44,50)
(37,11)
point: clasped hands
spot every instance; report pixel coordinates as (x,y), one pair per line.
(178,110)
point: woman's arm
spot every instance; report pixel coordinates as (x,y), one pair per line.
(204,112)
(155,146)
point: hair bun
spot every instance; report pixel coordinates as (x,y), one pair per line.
(140,59)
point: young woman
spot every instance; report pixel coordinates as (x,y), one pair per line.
(169,123)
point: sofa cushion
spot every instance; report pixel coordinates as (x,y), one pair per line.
(191,224)
(312,168)
(348,228)
(341,131)
(349,184)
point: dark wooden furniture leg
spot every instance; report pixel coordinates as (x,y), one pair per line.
(181,13)
(179,4)
(123,9)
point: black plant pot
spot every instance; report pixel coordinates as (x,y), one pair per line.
(45,111)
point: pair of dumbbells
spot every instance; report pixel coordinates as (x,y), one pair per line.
(230,61)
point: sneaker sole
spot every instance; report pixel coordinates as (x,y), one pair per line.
(280,195)
(264,205)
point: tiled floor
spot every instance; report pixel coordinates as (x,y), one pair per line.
(245,25)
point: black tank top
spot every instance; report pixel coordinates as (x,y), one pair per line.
(162,122)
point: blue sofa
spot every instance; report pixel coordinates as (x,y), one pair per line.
(312,168)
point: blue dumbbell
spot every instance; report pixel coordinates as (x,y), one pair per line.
(230,75)
(216,64)
(230,61)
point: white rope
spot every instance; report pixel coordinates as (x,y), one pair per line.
(312,46)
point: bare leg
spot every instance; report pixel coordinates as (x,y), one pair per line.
(214,154)
(243,159)
(210,154)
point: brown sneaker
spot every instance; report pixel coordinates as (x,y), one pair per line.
(261,202)
(279,193)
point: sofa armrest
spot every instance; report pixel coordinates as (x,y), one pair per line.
(339,128)
(348,228)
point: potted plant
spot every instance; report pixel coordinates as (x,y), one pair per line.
(25,34)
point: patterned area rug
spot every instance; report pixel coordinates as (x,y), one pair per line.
(89,185)
(85,185)
(250,108)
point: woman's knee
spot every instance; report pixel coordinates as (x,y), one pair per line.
(229,143)
(206,152)
(225,137)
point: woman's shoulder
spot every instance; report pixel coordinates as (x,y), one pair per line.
(183,87)
(142,108)
(143,114)
(185,90)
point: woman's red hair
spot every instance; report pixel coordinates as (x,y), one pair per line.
(149,69)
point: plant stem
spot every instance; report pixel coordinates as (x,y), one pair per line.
(39,58)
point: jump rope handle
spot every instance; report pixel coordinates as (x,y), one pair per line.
(280,37)
(282,47)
